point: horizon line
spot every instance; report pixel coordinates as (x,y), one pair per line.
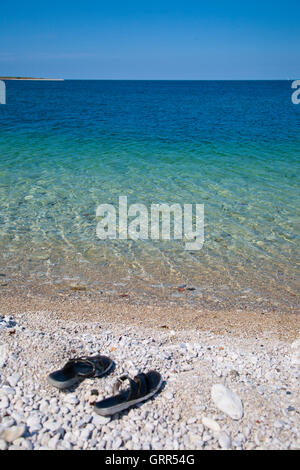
(20,78)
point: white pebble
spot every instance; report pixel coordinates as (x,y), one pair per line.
(101,420)
(224,440)
(13,379)
(227,401)
(3,354)
(34,423)
(3,444)
(169,395)
(13,433)
(4,402)
(211,424)
(71,399)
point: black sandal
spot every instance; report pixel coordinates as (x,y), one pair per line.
(142,387)
(78,369)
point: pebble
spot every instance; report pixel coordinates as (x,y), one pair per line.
(117,443)
(71,399)
(13,379)
(3,354)
(234,374)
(295,346)
(8,422)
(279,424)
(224,440)
(13,433)
(52,443)
(173,419)
(24,444)
(86,434)
(3,444)
(7,390)
(206,437)
(4,402)
(211,424)
(66,445)
(227,401)
(34,423)
(53,426)
(101,420)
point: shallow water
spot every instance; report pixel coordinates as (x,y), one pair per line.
(66,147)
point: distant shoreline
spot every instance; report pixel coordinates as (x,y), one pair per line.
(33,79)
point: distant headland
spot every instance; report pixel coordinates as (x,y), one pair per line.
(32,78)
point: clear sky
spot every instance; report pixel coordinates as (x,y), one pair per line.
(152,39)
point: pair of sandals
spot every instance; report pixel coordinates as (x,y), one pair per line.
(141,387)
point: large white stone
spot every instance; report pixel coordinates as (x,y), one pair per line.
(227,401)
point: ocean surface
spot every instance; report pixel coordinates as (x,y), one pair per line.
(66,147)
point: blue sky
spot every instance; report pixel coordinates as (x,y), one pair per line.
(151,40)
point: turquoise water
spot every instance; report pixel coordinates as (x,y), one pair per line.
(66,147)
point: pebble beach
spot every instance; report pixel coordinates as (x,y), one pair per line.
(219,391)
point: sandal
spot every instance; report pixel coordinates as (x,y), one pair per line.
(142,387)
(78,369)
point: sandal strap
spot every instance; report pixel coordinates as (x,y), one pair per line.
(142,383)
(83,360)
(132,384)
(100,364)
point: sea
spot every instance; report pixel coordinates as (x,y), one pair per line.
(233,146)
